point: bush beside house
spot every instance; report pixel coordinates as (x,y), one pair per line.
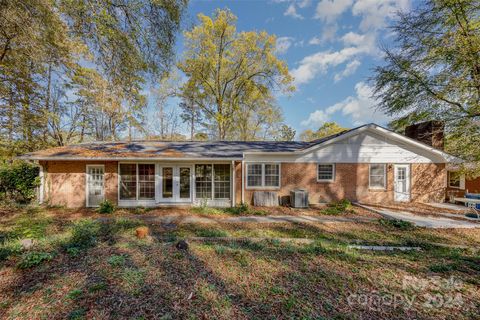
(18,182)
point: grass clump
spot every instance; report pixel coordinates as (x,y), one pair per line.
(32,259)
(211,233)
(84,235)
(106,207)
(337,207)
(116,260)
(397,224)
(77,314)
(244,209)
(74,294)
(203,208)
(133,280)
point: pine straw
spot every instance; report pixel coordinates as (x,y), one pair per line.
(243,281)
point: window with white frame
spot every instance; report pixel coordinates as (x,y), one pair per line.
(203,181)
(263,175)
(454,179)
(221,183)
(326,172)
(146,181)
(212,181)
(377,176)
(137,181)
(254,175)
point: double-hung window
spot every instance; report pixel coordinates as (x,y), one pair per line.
(263,175)
(137,181)
(326,172)
(377,176)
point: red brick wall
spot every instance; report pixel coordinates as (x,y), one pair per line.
(351,182)
(65,182)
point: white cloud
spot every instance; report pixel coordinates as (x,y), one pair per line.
(314,41)
(283,44)
(321,62)
(329,10)
(367,42)
(350,69)
(361,109)
(374,13)
(304,3)
(292,12)
(329,32)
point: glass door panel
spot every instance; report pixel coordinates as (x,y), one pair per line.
(184,187)
(167,182)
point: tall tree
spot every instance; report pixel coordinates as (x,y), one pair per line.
(433,72)
(327,129)
(225,68)
(190,115)
(43,44)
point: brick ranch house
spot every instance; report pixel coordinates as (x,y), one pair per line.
(367,164)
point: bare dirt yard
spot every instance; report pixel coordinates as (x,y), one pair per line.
(80,267)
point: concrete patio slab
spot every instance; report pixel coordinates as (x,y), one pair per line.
(422,220)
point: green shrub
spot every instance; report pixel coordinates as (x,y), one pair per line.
(84,234)
(32,259)
(398,224)
(106,206)
(18,182)
(338,207)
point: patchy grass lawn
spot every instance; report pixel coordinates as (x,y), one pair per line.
(86,269)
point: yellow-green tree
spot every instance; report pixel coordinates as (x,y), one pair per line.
(227,69)
(327,129)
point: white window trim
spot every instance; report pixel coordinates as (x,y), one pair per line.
(212,198)
(86,181)
(137,191)
(333,172)
(263,176)
(461,182)
(384,177)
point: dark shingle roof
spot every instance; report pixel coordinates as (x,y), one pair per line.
(166,149)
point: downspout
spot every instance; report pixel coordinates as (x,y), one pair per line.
(233,184)
(243,181)
(42,185)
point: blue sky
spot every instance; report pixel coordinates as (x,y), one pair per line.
(330,47)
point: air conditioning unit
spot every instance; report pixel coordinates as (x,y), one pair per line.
(299,198)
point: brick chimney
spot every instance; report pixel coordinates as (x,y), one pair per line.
(429,132)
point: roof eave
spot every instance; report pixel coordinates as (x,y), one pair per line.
(129,158)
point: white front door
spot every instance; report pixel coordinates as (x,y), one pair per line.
(175,183)
(402,182)
(95,185)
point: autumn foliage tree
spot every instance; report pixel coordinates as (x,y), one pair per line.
(75,69)
(231,72)
(325,130)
